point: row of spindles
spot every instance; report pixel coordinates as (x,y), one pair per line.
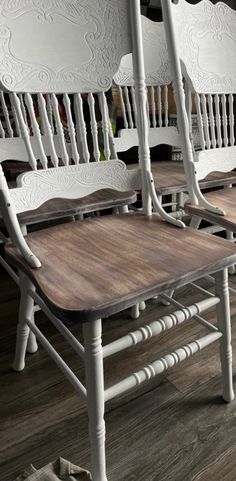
(157,106)
(216,120)
(61,122)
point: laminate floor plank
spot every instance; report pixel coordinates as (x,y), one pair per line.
(174,429)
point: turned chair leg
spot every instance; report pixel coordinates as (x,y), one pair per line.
(135,310)
(32,345)
(25,311)
(95,397)
(224,324)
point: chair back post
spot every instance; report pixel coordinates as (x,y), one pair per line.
(179,96)
(141,100)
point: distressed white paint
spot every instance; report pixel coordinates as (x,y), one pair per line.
(34,67)
(71,182)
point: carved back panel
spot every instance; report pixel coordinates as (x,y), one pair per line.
(85,59)
(206,36)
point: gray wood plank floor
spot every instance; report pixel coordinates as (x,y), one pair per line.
(174,429)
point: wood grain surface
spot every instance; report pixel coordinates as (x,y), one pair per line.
(223,198)
(97,267)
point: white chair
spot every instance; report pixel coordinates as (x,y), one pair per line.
(67,269)
(202,46)
(169,176)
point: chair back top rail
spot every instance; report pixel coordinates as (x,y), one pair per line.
(86,59)
(206,36)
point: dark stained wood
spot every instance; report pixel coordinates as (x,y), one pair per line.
(221,468)
(61,208)
(223,198)
(169,177)
(155,433)
(102,265)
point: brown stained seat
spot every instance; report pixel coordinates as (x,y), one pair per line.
(62,208)
(103,265)
(224,199)
(169,177)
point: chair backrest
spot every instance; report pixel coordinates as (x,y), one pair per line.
(202,46)
(158,82)
(85,59)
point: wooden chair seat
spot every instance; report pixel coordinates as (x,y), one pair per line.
(103,265)
(224,199)
(169,177)
(61,208)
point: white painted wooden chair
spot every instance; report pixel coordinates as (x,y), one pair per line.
(169,176)
(66,269)
(202,46)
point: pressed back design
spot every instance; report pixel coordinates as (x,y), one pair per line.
(205,33)
(76,182)
(56,65)
(158,82)
(202,46)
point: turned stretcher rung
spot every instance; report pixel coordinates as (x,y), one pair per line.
(198,318)
(157,367)
(155,328)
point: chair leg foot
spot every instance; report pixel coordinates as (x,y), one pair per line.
(135,312)
(21,343)
(142,306)
(195,222)
(25,311)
